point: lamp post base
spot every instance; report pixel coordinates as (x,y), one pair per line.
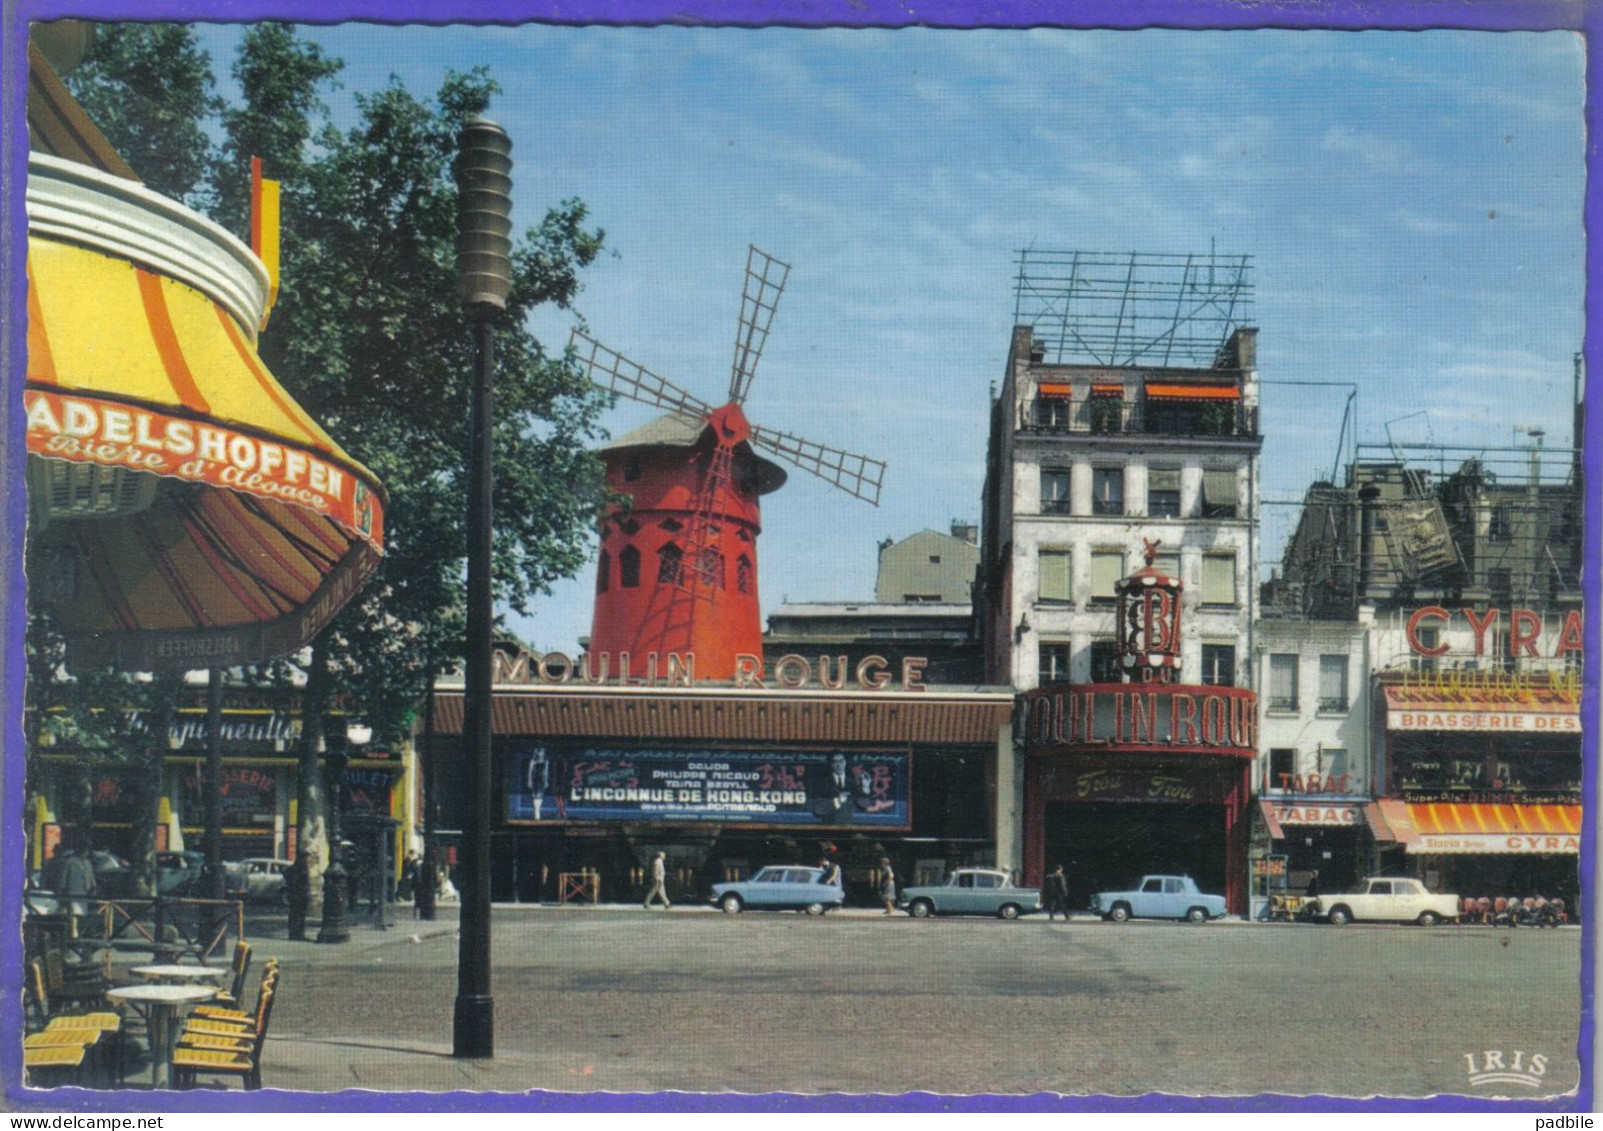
(335,928)
(473,1028)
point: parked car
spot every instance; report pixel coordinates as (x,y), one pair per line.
(784,887)
(1395,899)
(1159,897)
(178,873)
(972,891)
(257,879)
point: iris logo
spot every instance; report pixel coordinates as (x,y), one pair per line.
(1493,1066)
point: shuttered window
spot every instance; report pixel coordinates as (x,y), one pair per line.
(1107,566)
(1218,579)
(1332,683)
(1283,681)
(1056,576)
(1218,494)
(1163,492)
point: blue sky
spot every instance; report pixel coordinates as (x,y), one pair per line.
(1412,203)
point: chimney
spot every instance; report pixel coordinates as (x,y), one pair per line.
(966,531)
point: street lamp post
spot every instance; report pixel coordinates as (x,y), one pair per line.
(212,790)
(484,277)
(336,880)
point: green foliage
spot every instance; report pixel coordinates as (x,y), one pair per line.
(368,334)
(149,89)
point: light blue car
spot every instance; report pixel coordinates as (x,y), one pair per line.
(1159,897)
(782,887)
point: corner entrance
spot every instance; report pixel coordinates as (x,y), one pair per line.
(1106,847)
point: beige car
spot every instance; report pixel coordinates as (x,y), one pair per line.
(1388,899)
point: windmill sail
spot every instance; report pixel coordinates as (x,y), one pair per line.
(854,474)
(617,374)
(765,282)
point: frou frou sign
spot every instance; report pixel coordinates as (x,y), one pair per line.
(678,669)
(1524,630)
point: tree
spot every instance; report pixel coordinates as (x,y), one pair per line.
(369,336)
(149,89)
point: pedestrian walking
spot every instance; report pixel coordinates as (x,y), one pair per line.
(1056,893)
(77,882)
(887,885)
(659,882)
(831,871)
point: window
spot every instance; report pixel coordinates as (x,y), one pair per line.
(1332,683)
(1500,584)
(1218,494)
(1380,887)
(1282,764)
(710,567)
(1107,415)
(1218,579)
(668,559)
(1056,578)
(1154,884)
(743,576)
(1172,886)
(1283,681)
(631,469)
(1219,665)
(1333,762)
(1054,492)
(1052,407)
(1163,492)
(1167,564)
(1107,490)
(1107,566)
(1501,528)
(935,559)
(629,568)
(1105,667)
(987,880)
(1054,663)
(603,571)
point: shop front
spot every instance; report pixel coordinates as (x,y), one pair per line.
(1483,776)
(593,781)
(1122,780)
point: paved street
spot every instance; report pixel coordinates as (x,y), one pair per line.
(621,1000)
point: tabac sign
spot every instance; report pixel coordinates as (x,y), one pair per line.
(1108,717)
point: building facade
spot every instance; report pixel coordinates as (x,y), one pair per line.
(1087,463)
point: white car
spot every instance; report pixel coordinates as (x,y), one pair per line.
(258,879)
(1391,899)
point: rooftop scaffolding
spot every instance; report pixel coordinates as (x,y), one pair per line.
(1132,308)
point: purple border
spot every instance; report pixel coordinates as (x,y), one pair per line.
(1481,15)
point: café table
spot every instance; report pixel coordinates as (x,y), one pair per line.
(170,973)
(160,1005)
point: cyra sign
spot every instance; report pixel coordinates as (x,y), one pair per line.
(1524,630)
(678,669)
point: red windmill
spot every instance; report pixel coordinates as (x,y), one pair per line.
(677,571)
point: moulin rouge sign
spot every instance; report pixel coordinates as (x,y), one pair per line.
(678,669)
(1156,717)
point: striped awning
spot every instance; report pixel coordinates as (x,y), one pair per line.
(1055,389)
(186,511)
(1107,390)
(1194,392)
(1432,828)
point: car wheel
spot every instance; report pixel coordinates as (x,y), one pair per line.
(1197,915)
(1340,916)
(1008,911)
(1120,912)
(815,909)
(731,904)
(1429,918)
(921,909)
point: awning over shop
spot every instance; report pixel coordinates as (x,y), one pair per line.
(186,511)
(1271,820)
(1432,828)
(1193,392)
(1535,710)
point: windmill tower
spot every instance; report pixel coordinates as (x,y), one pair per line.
(677,571)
